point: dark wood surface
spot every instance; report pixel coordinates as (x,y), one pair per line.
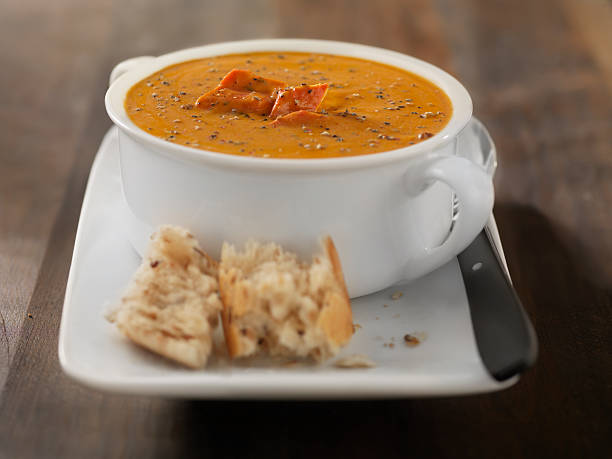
(540,74)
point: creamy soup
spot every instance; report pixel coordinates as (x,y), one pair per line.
(288,105)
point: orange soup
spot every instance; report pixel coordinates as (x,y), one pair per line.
(288,105)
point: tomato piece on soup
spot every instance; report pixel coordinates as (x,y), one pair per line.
(244,80)
(225,99)
(243,91)
(305,97)
(299,118)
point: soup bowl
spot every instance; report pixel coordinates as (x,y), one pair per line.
(392,215)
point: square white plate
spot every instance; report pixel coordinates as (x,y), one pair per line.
(446,362)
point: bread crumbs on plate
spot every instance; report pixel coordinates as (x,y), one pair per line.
(355,361)
(413,340)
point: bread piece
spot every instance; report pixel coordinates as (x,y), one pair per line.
(355,361)
(274,304)
(171,305)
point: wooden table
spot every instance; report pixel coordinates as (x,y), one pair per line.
(540,74)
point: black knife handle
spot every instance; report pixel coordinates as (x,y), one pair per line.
(506,340)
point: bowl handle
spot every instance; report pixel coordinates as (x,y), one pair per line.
(473,188)
(126,66)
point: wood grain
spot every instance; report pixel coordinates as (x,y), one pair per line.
(592,19)
(539,77)
(42,114)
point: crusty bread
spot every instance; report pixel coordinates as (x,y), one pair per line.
(275,304)
(172,304)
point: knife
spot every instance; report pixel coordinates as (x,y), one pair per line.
(505,337)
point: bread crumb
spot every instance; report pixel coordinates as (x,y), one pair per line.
(356,327)
(355,361)
(396,295)
(396,316)
(111,313)
(411,340)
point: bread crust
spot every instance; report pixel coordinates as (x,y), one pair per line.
(190,351)
(336,317)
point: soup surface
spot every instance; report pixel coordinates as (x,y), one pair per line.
(366,107)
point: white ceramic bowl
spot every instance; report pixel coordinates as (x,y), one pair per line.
(390,214)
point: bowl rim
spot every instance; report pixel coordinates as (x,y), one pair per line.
(459,96)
